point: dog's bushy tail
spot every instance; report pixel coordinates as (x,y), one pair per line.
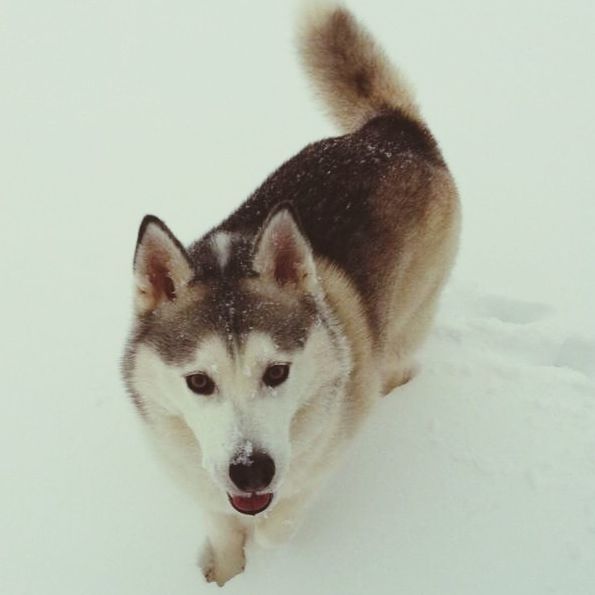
(350,71)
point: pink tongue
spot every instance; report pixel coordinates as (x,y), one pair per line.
(253,503)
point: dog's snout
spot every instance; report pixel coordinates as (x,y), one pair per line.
(252,473)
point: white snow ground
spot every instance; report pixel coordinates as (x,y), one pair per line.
(476,478)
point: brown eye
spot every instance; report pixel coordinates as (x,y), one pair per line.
(200,383)
(276,374)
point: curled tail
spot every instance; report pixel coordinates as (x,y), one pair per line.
(350,71)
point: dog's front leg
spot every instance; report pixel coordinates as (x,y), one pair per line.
(223,554)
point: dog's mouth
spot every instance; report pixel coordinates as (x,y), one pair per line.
(252,504)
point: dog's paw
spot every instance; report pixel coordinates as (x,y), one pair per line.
(399,377)
(206,562)
(220,568)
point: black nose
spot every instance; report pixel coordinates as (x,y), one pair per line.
(252,473)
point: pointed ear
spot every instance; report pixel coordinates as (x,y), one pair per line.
(283,254)
(161,266)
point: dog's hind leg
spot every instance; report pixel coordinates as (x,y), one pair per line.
(399,365)
(418,284)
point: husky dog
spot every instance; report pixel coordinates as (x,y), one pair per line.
(257,351)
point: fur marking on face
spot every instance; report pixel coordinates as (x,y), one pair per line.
(221,243)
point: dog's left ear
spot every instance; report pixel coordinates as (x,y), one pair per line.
(283,254)
(161,266)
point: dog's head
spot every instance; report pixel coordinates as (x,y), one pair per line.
(234,337)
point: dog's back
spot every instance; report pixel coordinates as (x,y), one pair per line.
(377,202)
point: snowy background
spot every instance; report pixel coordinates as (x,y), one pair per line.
(476,478)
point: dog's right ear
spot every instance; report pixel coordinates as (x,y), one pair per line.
(161,266)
